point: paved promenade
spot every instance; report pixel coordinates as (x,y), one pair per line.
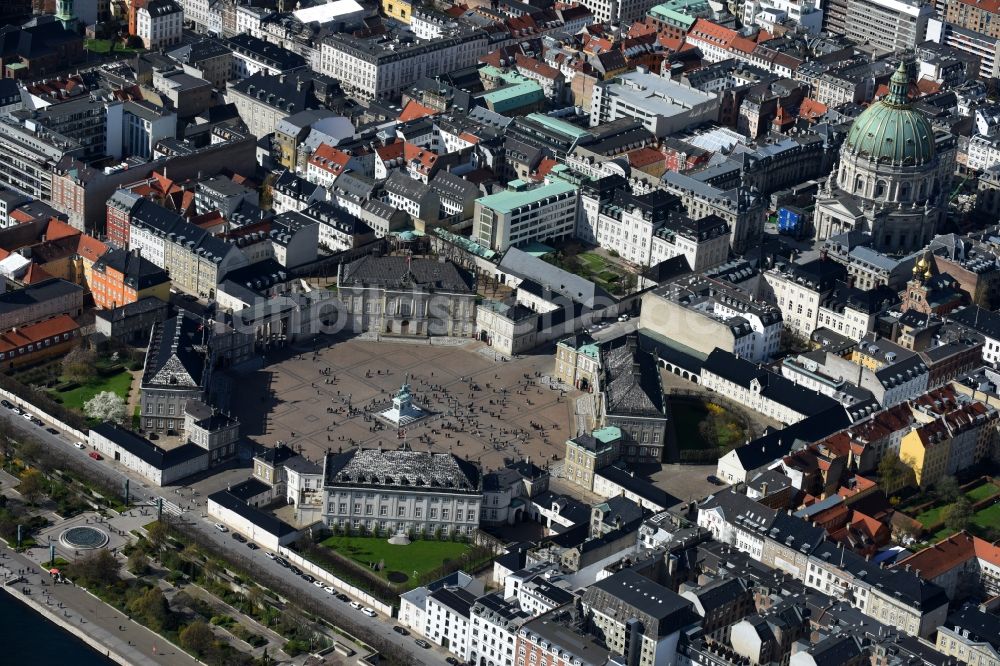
(104,628)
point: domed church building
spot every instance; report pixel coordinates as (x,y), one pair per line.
(893,175)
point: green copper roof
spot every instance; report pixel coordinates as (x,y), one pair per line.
(890,130)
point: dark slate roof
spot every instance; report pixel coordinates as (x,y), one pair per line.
(409,188)
(778,443)
(175,358)
(280,91)
(247,489)
(773,386)
(265,521)
(395,272)
(634,593)
(277,57)
(619,474)
(276,455)
(620,511)
(978,319)
(137,272)
(145,450)
(458,599)
(12,301)
(196,52)
(440,472)
(981,626)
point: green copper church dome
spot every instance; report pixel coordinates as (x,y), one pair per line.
(890,131)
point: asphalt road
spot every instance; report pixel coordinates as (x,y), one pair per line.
(293,585)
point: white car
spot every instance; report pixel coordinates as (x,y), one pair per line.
(270,555)
(26,415)
(221,527)
(623,317)
(318,583)
(356,606)
(369,612)
(328,589)
(79,445)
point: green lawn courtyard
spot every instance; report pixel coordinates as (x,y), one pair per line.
(983,520)
(119,383)
(420,556)
(593,266)
(105,46)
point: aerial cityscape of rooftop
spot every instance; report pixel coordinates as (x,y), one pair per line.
(500,332)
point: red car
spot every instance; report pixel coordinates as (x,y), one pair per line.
(95,455)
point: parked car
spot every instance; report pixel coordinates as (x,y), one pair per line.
(623,317)
(7,403)
(714,480)
(370,612)
(343,597)
(270,555)
(26,416)
(95,455)
(221,527)
(52,431)
(79,445)
(37,421)
(239,537)
(252,546)
(318,583)
(356,606)
(400,630)
(295,570)
(452,661)
(282,561)
(328,589)
(307,578)
(422,643)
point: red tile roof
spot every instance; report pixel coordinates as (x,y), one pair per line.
(90,248)
(414,110)
(19,337)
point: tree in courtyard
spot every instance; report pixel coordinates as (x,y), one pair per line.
(947,490)
(32,486)
(957,516)
(105,406)
(197,637)
(892,473)
(78,365)
(156,533)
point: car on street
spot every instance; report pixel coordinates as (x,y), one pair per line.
(7,403)
(26,416)
(400,630)
(343,597)
(714,480)
(37,421)
(95,455)
(623,317)
(356,606)
(221,527)
(307,578)
(422,643)
(18,410)
(328,589)
(282,562)
(370,612)
(52,431)
(270,555)
(318,583)
(452,661)
(79,445)
(295,570)
(239,537)
(252,546)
